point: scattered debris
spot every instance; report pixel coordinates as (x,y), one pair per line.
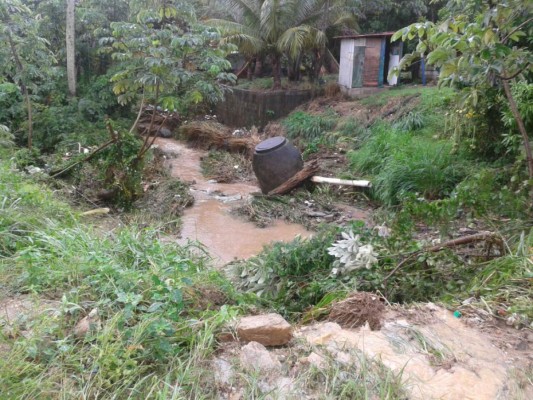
(267,329)
(212,135)
(162,122)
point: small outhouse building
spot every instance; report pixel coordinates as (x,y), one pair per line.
(366,60)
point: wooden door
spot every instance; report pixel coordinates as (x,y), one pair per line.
(358,65)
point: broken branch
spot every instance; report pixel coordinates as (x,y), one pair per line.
(489,236)
(296,180)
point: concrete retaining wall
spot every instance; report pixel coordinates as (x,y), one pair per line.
(244,108)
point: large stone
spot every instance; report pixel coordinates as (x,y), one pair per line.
(268,329)
(255,357)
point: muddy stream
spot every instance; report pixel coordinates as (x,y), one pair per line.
(209,221)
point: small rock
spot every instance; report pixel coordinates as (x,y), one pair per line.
(315,360)
(87,324)
(255,357)
(32,170)
(223,371)
(468,301)
(268,329)
(165,132)
(522,346)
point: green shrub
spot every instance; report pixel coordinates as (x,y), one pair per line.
(425,167)
(380,143)
(6,138)
(292,277)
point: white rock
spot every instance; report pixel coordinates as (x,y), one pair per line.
(255,357)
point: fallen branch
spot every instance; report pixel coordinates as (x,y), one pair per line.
(336,181)
(478,237)
(91,155)
(297,179)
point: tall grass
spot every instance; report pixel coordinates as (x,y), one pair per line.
(401,163)
(159,305)
(308,127)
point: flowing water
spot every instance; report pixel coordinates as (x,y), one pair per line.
(209,220)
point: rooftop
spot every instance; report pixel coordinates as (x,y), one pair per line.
(367,35)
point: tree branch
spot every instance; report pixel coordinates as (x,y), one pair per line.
(516,29)
(446,245)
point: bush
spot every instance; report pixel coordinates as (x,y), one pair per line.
(413,121)
(425,167)
(6,138)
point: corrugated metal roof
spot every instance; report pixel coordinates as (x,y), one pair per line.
(368,35)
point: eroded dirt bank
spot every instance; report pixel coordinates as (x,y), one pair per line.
(209,221)
(434,355)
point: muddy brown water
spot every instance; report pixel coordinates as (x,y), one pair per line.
(209,221)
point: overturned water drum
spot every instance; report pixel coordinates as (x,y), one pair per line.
(275,160)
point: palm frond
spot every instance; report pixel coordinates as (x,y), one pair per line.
(242,36)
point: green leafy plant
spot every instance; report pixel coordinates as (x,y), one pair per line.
(6,138)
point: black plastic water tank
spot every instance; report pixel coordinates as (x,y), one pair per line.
(275,160)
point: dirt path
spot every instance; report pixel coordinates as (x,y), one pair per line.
(209,221)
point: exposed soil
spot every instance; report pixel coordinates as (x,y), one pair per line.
(392,109)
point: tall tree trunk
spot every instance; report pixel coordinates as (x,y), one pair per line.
(521,126)
(276,71)
(30,115)
(23,87)
(317,66)
(258,67)
(71,50)
(250,70)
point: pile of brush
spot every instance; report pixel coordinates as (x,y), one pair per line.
(213,135)
(162,123)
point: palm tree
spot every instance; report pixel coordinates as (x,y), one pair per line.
(278,27)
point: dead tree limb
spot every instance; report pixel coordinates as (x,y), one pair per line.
(91,155)
(478,237)
(297,179)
